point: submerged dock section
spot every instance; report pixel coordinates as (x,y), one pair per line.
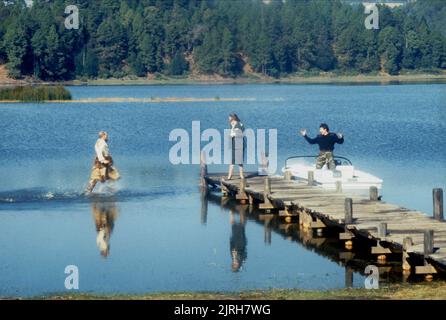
(420,239)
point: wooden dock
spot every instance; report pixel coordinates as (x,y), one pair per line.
(326,244)
(418,237)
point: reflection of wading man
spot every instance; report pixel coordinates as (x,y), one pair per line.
(237,143)
(326,141)
(104,215)
(103,168)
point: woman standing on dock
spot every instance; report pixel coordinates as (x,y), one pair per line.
(237,140)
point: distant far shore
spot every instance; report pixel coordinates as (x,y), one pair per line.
(321,79)
(209,80)
(138,100)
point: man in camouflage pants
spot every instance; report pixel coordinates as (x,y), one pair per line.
(326,141)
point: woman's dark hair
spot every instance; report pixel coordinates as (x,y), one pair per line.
(235,117)
(324,126)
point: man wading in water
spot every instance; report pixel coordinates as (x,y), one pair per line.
(103,169)
(326,141)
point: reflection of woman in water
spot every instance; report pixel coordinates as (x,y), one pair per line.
(238,242)
(104,215)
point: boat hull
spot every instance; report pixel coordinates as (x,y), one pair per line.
(350,178)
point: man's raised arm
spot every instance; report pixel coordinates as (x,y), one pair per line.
(310,140)
(340,138)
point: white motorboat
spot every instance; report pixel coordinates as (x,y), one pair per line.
(350,177)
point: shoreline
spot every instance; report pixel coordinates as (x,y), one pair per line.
(358,79)
(210,80)
(135,100)
(424,291)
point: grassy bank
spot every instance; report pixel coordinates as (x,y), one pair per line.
(34,94)
(298,79)
(329,78)
(424,291)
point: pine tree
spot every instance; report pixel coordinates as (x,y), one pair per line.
(208,53)
(390,48)
(438,51)
(111,47)
(228,58)
(91,63)
(54,58)
(178,66)
(16,46)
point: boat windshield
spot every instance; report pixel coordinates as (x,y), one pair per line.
(309,160)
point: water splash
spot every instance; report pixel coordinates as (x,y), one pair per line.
(103,191)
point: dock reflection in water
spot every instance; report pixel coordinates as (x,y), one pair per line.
(325,244)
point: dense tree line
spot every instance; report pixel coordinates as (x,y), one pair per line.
(118,38)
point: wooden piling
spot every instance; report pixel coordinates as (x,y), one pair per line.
(267,231)
(264,163)
(348,211)
(310,178)
(224,190)
(348,277)
(437,195)
(267,205)
(348,219)
(407,243)
(204,207)
(382,229)
(203,170)
(241,194)
(305,219)
(338,186)
(373,191)
(427,269)
(287,175)
(428,242)
(267,186)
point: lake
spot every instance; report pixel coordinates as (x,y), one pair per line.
(162,234)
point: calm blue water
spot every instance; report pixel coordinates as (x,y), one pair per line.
(164,235)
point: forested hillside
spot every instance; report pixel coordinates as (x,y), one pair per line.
(230,38)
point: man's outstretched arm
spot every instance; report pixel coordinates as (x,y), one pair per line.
(340,138)
(310,140)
